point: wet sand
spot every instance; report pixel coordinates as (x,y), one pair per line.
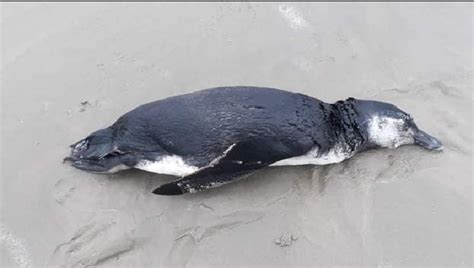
(69,69)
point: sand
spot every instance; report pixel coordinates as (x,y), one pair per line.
(69,69)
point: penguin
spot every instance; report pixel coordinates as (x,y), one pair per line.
(215,136)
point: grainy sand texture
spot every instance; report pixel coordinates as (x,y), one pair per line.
(71,68)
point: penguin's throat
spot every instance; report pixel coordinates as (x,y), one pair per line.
(346,126)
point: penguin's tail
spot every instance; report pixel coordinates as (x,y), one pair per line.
(96,153)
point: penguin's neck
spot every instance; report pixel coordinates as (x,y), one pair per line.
(344,120)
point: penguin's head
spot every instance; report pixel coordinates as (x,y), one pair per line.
(388,126)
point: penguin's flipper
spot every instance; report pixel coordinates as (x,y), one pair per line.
(208,177)
(237,161)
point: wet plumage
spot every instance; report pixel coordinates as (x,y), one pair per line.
(214,136)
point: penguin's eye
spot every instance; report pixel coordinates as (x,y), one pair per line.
(382,123)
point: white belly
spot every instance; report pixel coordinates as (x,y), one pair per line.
(335,155)
(169,165)
(175,165)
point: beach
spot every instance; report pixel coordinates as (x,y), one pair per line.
(70,69)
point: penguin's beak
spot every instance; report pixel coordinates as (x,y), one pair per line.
(427,141)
